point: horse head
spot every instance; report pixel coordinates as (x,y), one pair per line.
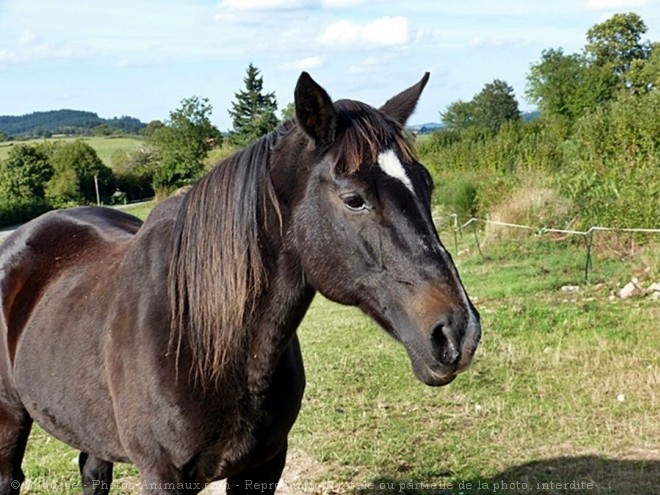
(361,217)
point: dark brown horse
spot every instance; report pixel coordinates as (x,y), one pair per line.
(172,345)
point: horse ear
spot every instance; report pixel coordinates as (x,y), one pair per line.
(315,112)
(401,106)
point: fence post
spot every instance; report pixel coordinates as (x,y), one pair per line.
(476,238)
(455,232)
(589,239)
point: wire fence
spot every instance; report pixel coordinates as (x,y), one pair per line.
(588,234)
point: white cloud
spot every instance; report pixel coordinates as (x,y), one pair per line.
(308,63)
(27,38)
(615,4)
(260,4)
(386,31)
(38,52)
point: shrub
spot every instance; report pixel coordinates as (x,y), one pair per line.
(531,205)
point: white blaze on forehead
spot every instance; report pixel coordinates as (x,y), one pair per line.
(393,167)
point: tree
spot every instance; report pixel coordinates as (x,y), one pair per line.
(459,116)
(644,75)
(556,84)
(77,171)
(151,127)
(182,143)
(134,171)
(288,112)
(495,105)
(568,85)
(613,59)
(253,112)
(25,172)
(617,42)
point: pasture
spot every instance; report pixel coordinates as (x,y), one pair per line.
(564,389)
(104,146)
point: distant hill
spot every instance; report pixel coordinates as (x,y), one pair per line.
(430,127)
(533,115)
(76,122)
(424,128)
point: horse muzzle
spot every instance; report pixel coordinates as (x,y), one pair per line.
(446,349)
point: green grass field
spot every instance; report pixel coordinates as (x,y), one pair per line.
(104,146)
(563,396)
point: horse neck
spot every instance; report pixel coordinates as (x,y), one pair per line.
(236,292)
(288,295)
(276,318)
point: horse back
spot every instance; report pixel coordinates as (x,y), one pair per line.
(56,244)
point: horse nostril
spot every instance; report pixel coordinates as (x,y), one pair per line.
(444,342)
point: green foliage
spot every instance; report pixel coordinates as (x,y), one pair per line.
(288,112)
(490,164)
(18,210)
(134,172)
(24,173)
(557,85)
(617,43)
(151,128)
(615,175)
(253,111)
(77,170)
(595,147)
(182,144)
(459,116)
(493,106)
(102,130)
(38,176)
(614,60)
(644,75)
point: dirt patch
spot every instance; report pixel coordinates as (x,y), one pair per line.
(300,477)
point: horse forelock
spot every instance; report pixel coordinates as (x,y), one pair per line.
(364,133)
(217,268)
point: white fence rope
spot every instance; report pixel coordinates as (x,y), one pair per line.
(587,234)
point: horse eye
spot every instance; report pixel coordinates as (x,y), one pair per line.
(354,202)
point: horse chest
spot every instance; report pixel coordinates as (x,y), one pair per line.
(261,432)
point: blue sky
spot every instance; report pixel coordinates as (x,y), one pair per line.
(142,57)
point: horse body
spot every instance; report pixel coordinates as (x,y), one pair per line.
(171,345)
(129,334)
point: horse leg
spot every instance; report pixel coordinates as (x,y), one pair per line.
(262,479)
(14,432)
(96,474)
(167,480)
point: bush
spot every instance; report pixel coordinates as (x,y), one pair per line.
(614,177)
(605,166)
(532,205)
(21,210)
(78,169)
(134,172)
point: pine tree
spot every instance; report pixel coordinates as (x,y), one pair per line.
(253,111)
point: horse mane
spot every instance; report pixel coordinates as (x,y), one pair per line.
(364,132)
(216,270)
